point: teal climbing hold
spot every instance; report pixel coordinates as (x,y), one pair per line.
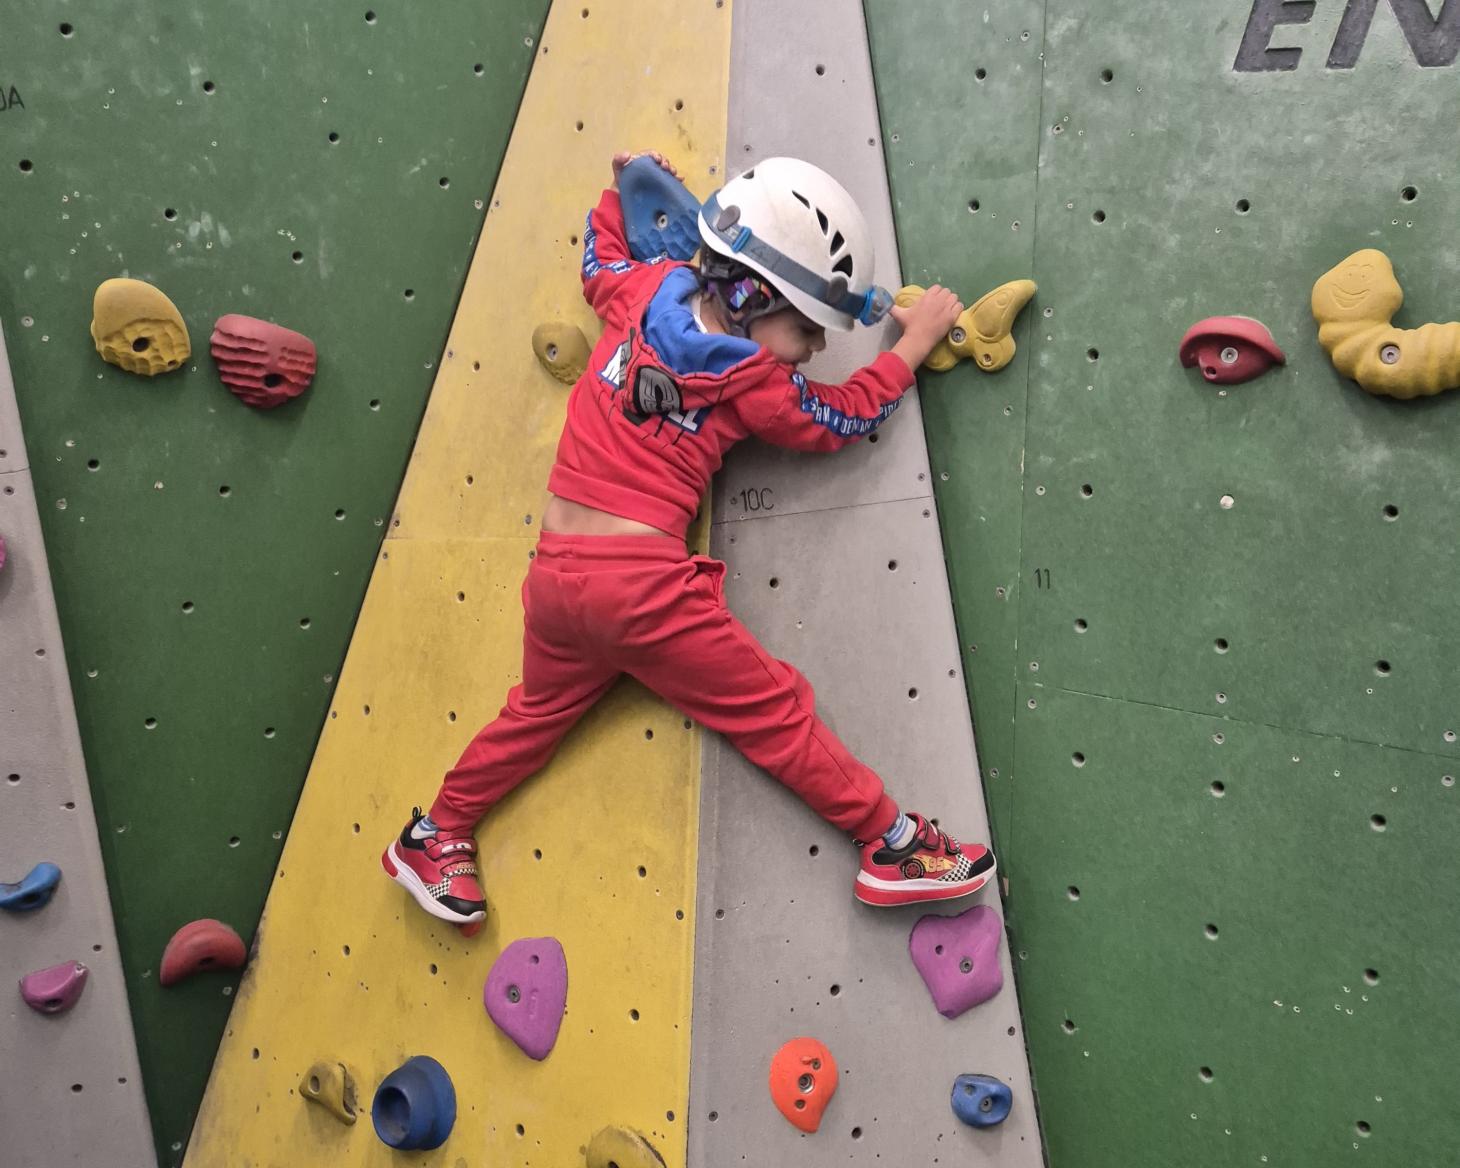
(660,215)
(33,892)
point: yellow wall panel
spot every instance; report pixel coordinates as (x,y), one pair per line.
(609,81)
(347,968)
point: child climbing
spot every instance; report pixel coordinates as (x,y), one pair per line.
(691,361)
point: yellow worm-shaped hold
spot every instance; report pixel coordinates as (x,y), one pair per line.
(1353,305)
(983,332)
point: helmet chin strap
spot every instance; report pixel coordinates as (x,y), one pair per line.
(740,295)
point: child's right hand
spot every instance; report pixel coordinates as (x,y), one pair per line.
(623,158)
(925,323)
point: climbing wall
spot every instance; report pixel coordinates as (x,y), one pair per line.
(1226,729)
(835,562)
(328,170)
(597,851)
(80,1090)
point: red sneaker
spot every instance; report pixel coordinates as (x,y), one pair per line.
(436,867)
(931,866)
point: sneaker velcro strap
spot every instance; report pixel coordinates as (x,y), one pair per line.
(466,845)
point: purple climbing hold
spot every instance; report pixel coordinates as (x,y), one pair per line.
(958,958)
(2,551)
(54,990)
(527,992)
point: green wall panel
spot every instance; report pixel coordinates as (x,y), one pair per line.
(209,560)
(1185,562)
(958,93)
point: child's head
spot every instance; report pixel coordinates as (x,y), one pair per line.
(787,255)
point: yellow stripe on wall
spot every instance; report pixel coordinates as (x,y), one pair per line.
(347,968)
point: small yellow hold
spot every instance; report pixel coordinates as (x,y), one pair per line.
(562,349)
(618,1147)
(983,333)
(136,327)
(1353,304)
(333,1087)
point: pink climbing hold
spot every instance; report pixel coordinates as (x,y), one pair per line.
(1230,349)
(2,551)
(198,946)
(54,990)
(958,958)
(264,364)
(527,992)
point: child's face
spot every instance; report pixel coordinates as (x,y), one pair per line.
(789,336)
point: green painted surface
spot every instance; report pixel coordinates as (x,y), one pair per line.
(209,560)
(1294,619)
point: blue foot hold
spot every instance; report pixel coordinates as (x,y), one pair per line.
(415,1105)
(661,216)
(981,1100)
(33,892)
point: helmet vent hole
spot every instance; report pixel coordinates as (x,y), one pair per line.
(836,241)
(822,219)
(844,265)
(751,174)
(802,199)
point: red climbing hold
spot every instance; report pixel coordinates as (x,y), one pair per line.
(264,364)
(199,946)
(1230,349)
(803,1080)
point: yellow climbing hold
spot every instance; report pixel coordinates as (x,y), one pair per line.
(1353,304)
(984,331)
(136,327)
(333,1087)
(562,350)
(618,1147)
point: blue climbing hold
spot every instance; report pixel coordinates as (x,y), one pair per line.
(981,1100)
(661,216)
(33,892)
(415,1105)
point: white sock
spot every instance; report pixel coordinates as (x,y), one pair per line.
(900,834)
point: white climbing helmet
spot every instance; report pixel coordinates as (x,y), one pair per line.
(797,226)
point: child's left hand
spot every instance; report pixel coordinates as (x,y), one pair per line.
(623,158)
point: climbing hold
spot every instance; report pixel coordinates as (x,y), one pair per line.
(470,929)
(562,350)
(135,326)
(415,1105)
(2,551)
(958,958)
(983,332)
(619,1147)
(981,1100)
(264,364)
(527,992)
(331,1086)
(54,990)
(39,884)
(1353,304)
(200,945)
(803,1080)
(660,214)
(1230,349)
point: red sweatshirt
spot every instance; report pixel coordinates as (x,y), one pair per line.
(641,441)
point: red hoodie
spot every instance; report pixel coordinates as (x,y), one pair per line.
(641,441)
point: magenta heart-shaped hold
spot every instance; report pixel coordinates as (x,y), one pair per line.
(527,992)
(958,958)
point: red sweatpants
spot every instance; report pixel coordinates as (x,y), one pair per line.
(596,607)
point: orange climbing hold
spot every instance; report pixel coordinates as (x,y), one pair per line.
(199,946)
(803,1080)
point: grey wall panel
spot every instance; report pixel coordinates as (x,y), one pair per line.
(861,605)
(781,104)
(71,1093)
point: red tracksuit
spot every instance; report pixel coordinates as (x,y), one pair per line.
(641,441)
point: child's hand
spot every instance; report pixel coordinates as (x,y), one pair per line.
(925,324)
(623,158)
